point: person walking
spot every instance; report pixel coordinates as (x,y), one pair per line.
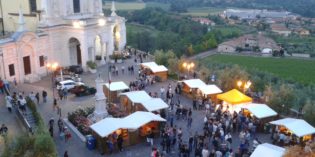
(3,130)
(14,81)
(66,154)
(37,97)
(189,122)
(55,104)
(120,141)
(44,95)
(9,103)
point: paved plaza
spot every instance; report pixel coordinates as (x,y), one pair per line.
(75,147)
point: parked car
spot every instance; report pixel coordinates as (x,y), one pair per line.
(64,77)
(77,69)
(74,78)
(82,90)
(68,84)
(70,70)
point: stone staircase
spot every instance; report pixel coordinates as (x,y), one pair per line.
(30,118)
(27,118)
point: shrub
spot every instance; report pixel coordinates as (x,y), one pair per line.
(116,56)
(44,146)
(38,145)
(91,64)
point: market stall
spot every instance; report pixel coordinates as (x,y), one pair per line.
(259,111)
(132,128)
(298,127)
(191,87)
(151,68)
(113,89)
(210,91)
(153,104)
(233,100)
(266,149)
(130,100)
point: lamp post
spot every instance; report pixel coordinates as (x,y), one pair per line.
(244,85)
(188,66)
(52,67)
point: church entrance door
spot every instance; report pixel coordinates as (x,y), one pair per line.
(75,52)
(27,65)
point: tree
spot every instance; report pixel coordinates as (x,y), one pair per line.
(204,73)
(190,51)
(162,57)
(228,77)
(309,111)
(281,99)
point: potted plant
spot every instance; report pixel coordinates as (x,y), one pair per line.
(92,66)
(116,58)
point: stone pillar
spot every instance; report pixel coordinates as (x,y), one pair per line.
(100,101)
(103,46)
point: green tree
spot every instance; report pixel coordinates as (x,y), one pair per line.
(190,51)
(281,99)
(44,146)
(228,77)
(309,111)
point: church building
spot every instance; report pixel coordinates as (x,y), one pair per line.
(67,32)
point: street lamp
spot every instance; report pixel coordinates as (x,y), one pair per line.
(246,85)
(188,66)
(52,67)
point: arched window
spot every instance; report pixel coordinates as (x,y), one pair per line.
(76,6)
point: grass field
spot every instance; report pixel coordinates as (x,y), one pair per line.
(203,11)
(299,70)
(125,6)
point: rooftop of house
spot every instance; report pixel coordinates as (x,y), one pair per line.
(279,27)
(262,41)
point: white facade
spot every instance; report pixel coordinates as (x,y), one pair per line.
(226,48)
(70,32)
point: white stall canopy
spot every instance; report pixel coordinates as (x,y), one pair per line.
(137,96)
(154,67)
(160,68)
(140,118)
(260,110)
(107,126)
(268,150)
(194,83)
(299,127)
(210,89)
(116,86)
(154,104)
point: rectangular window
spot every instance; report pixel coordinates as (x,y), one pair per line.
(33,7)
(41,61)
(76,6)
(11,70)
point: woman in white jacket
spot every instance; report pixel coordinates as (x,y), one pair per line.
(8,100)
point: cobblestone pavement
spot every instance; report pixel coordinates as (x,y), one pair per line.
(75,147)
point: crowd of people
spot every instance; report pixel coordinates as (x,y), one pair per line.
(215,139)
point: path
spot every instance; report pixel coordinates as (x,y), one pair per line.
(204,54)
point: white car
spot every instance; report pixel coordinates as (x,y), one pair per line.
(68,84)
